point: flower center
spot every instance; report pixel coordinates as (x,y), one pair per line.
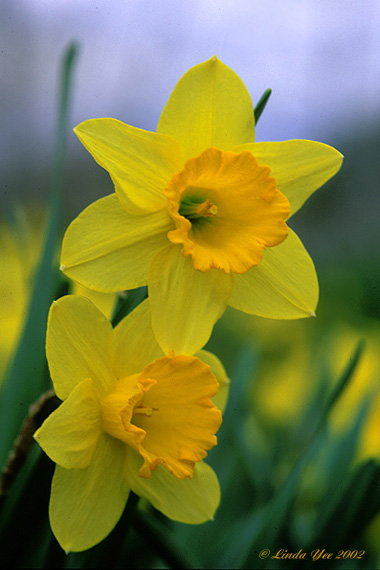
(193,209)
(226,209)
(165,414)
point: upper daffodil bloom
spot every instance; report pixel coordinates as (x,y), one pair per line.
(131,418)
(199,212)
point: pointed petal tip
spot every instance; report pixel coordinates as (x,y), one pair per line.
(54,306)
(78,127)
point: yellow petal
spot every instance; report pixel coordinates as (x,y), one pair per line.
(70,434)
(109,250)
(191,501)
(177,414)
(217,368)
(299,166)
(139,162)
(283,286)
(133,344)
(104,301)
(86,504)
(210,106)
(76,342)
(185,303)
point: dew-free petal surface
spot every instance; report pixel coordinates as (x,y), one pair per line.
(70,434)
(109,250)
(140,162)
(209,106)
(283,286)
(191,501)
(76,345)
(185,303)
(299,166)
(133,344)
(86,504)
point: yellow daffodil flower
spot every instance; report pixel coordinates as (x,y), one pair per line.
(199,212)
(131,418)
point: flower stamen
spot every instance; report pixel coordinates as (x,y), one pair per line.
(141,410)
(193,208)
(207,208)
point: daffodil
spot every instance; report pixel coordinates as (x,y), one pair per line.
(131,418)
(199,212)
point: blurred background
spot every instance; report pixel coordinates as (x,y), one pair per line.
(322,60)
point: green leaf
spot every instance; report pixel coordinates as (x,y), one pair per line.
(344,380)
(27,376)
(274,526)
(261,104)
(342,451)
(352,503)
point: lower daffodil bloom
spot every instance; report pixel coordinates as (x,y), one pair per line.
(131,419)
(199,212)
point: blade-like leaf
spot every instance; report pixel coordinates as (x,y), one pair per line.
(261,104)
(26,377)
(275,522)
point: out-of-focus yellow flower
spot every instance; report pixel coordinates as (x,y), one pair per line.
(12,296)
(364,385)
(131,418)
(199,212)
(20,248)
(292,363)
(284,378)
